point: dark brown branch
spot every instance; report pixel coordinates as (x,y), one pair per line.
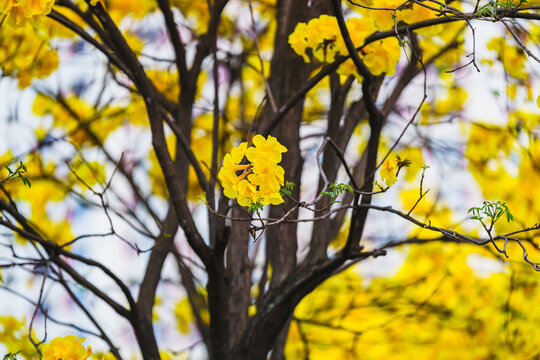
(156,114)
(178,46)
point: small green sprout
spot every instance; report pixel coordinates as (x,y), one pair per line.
(11,356)
(337,189)
(256,206)
(492,210)
(289,186)
(18,173)
(202,198)
(490,9)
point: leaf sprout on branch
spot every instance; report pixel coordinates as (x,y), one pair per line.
(289,186)
(490,9)
(492,210)
(18,173)
(11,356)
(337,189)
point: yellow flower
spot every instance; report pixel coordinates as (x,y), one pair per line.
(322,36)
(247,193)
(298,40)
(388,172)
(453,102)
(231,164)
(513,58)
(322,33)
(18,12)
(382,57)
(258,181)
(419,13)
(66,348)
(383,19)
(265,150)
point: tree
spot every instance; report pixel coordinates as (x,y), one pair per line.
(265,149)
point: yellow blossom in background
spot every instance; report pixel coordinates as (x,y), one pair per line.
(45,194)
(415,157)
(196,12)
(513,58)
(184,315)
(389,171)
(322,36)
(298,40)
(432,45)
(419,13)
(91,172)
(487,143)
(183,312)
(14,336)
(201,144)
(323,33)
(257,180)
(18,12)
(83,123)
(382,19)
(382,56)
(166,82)
(66,348)
(388,317)
(453,102)
(25,54)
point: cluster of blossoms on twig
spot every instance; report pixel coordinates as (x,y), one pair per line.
(18,12)
(322,37)
(67,348)
(258,180)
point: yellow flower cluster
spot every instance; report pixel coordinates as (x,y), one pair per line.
(390,168)
(66,348)
(322,37)
(389,171)
(78,118)
(18,12)
(408,13)
(14,337)
(25,54)
(257,180)
(513,58)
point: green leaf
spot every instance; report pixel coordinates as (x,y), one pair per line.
(256,206)
(11,356)
(25,181)
(493,210)
(289,185)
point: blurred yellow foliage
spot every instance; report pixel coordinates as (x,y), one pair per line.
(437,302)
(25,54)
(14,336)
